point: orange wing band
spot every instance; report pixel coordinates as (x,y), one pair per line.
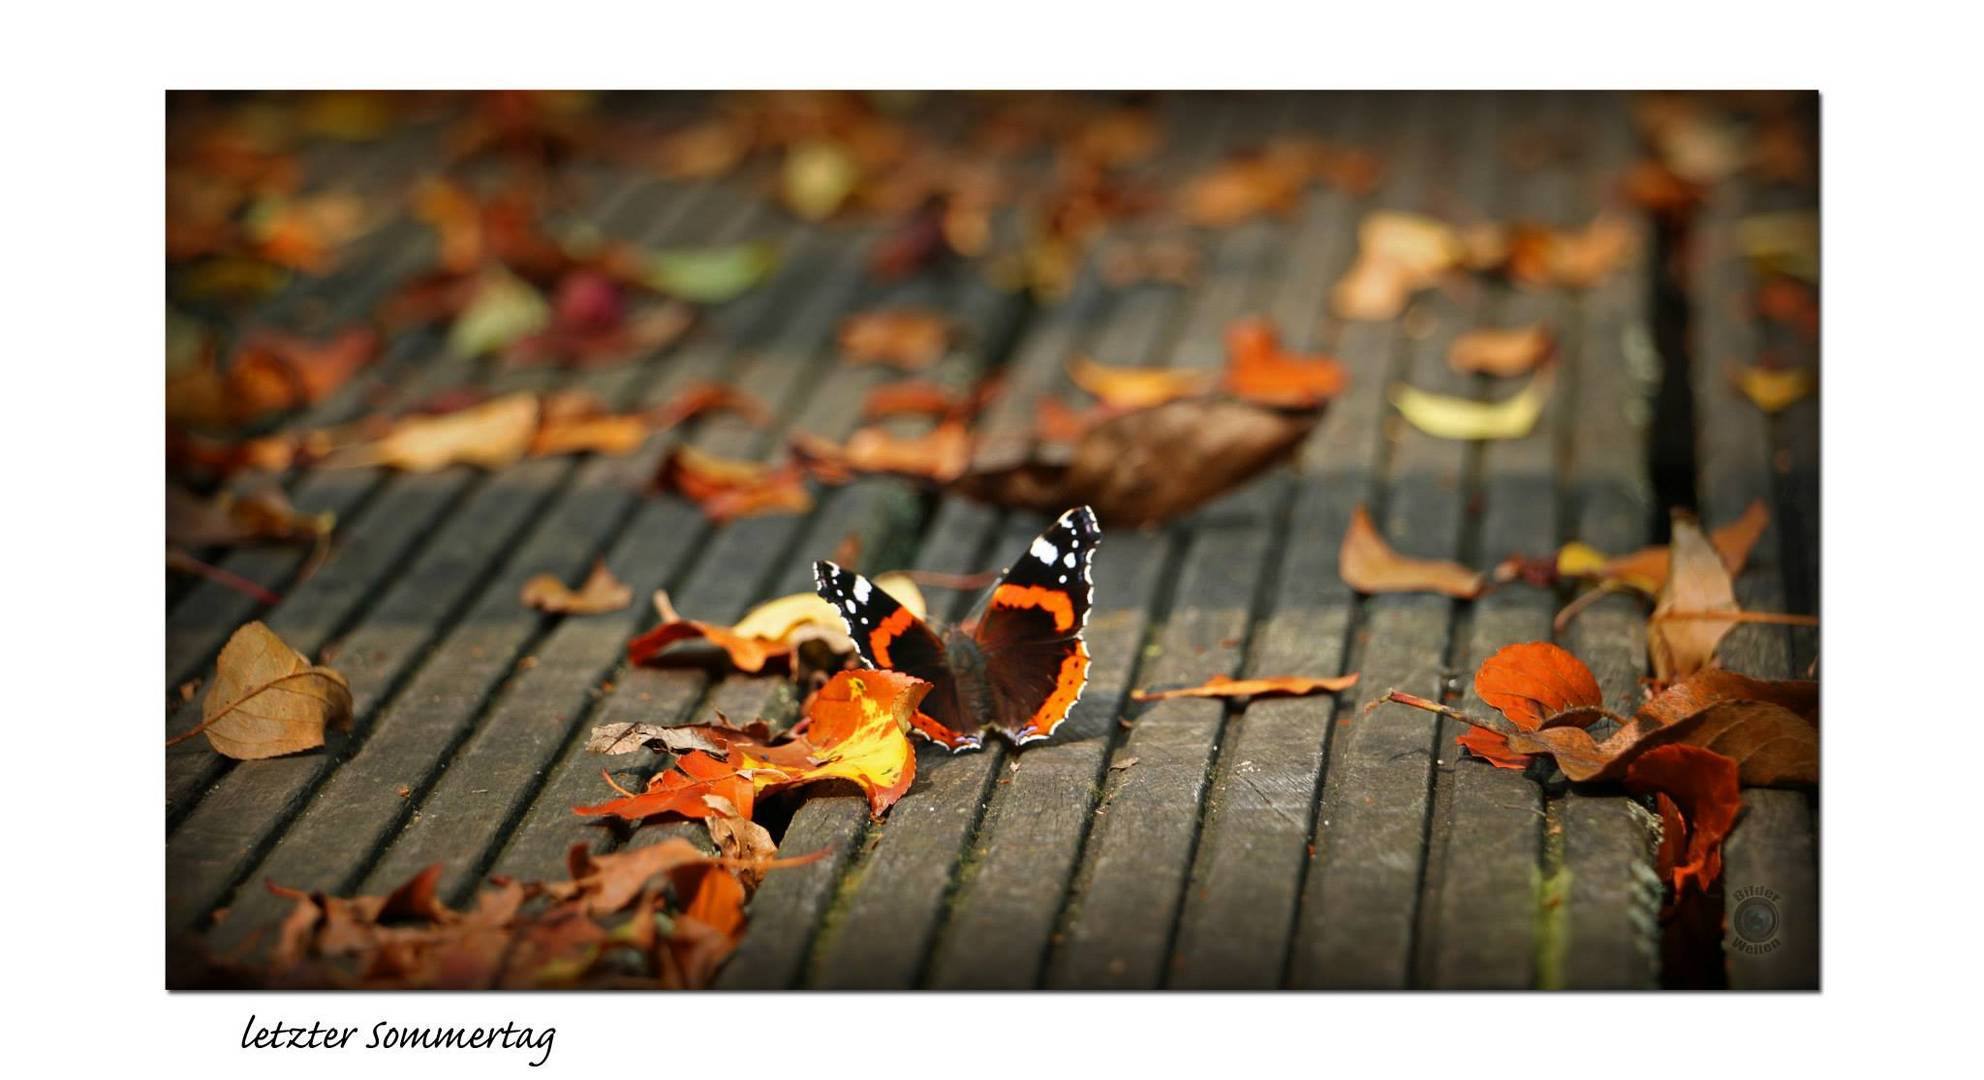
(1055,602)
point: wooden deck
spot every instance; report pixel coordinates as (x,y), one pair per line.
(1290,843)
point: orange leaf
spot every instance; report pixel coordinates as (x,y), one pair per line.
(913,398)
(904,338)
(1532,681)
(747,654)
(1369,565)
(727,488)
(1702,788)
(1258,370)
(855,729)
(1136,387)
(1504,352)
(703,397)
(940,454)
(1219,686)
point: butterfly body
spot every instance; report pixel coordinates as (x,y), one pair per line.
(1017,667)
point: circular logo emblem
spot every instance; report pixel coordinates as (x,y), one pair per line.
(1755,920)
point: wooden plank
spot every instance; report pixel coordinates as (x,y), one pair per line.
(1356,922)
(1606,924)
(1254,842)
(410,701)
(1772,852)
(1481,899)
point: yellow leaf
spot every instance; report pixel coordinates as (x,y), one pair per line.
(1775,389)
(505,310)
(775,620)
(819,176)
(1579,559)
(858,731)
(1464,418)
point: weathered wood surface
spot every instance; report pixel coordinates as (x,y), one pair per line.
(1192,844)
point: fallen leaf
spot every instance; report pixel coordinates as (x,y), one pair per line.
(1126,466)
(601,592)
(770,631)
(1646,569)
(1782,242)
(503,310)
(1503,352)
(1445,417)
(1530,683)
(1398,254)
(1260,371)
(231,517)
(1701,789)
(493,435)
(1120,764)
(1543,256)
(914,397)
(1219,686)
(727,488)
(267,699)
(1698,582)
(1769,729)
(1244,187)
(855,729)
(941,454)
(1136,387)
(699,398)
(710,275)
(1774,389)
(819,176)
(274,372)
(740,838)
(1369,565)
(906,338)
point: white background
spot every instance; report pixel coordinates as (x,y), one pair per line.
(82,969)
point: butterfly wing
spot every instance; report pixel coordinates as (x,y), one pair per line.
(1031,632)
(890,636)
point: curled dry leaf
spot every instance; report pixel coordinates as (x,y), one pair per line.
(855,729)
(231,517)
(726,488)
(1445,417)
(1700,797)
(492,435)
(1369,565)
(1136,387)
(1219,686)
(907,338)
(1769,729)
(1646,569)
(1698,582)
(940,454)
(1774,389)
(770,631)
(1531,683)
(1260,371)
(601,592)
(1505,352)
(267,699)
(1126,467)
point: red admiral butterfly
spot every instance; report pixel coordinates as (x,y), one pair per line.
(1018,666)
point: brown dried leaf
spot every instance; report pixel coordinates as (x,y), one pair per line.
(492,435)
(601,592)
(267,699)
(1504,352)
(1697,583)
(1369,565)
(904,338)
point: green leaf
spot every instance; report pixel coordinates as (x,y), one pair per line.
(712,275)
(505,310)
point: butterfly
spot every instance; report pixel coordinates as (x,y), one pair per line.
(1017,667)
